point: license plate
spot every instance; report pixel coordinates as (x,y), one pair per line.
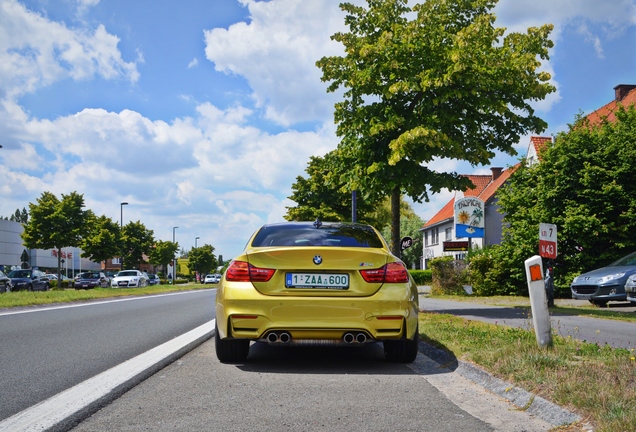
(317,280)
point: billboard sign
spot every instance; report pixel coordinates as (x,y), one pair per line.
(469,217)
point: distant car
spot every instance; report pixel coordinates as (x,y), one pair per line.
(153,279)
(93,279)
(606,283)
(317,282)
(209,279)
(29,280)
(129,278)
(5,283)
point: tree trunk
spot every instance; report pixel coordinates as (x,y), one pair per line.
(395,222)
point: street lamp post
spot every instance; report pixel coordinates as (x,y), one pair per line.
(195,269)
(121,225)
(174,265)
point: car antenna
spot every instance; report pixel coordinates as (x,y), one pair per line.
(317,223)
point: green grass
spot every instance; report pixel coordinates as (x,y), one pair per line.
(34,298)
(598,382)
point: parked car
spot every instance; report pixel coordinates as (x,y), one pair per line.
(315,282)
(630,289)
(29,280)
(209,279)
(92,279)
(129,278)
(606,283)
(5,283)
(153,279)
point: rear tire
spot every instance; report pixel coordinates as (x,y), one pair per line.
(402,350)
(231,350)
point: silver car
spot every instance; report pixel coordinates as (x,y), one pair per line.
(129,278)
(606,283)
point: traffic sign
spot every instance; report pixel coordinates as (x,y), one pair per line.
(548,240)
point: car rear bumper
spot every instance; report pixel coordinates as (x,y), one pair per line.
(244,313)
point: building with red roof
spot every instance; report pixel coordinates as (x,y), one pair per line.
(441,227)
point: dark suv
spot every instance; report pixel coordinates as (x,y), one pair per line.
(29,280)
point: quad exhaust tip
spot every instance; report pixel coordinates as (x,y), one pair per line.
(282,338)
(358,338)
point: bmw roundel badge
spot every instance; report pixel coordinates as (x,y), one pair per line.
(317,260)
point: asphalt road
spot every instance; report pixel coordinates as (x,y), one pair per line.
(309,389)
(45,351)
(302,389)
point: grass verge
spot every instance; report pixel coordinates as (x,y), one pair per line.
(597,382)
(35,298)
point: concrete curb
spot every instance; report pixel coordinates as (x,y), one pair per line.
(522,399)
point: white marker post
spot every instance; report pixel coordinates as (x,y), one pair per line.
(538,301)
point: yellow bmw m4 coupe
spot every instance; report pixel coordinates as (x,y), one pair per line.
(300,283)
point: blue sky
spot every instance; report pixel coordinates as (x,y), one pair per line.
(201,114)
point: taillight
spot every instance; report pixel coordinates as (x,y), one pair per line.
(393,272)
(241,271)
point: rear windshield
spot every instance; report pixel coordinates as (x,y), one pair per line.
(20,274)
(89,276)
(339,235)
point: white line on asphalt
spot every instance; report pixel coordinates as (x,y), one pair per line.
(93,303)
(67,404)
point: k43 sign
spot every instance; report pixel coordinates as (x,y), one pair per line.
(469,217)
(548,240)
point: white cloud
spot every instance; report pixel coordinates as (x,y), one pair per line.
(277,51)
(36,52)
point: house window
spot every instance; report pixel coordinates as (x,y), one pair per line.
(435,235)
(425,238)
(448,233)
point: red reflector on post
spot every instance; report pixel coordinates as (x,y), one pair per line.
(535,273)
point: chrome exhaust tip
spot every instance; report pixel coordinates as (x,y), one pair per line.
(361,338)
(348,338)
(272,338)
(284,337)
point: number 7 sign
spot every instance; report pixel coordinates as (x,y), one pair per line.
(547,240)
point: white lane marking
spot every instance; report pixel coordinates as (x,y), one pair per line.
(48,413)
(93,303)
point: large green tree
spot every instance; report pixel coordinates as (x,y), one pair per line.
(163,253)
(410,225)
(55,223)
(102,239)
(324,195)
(136,241)
(438,80)
(202,259)
(586,185)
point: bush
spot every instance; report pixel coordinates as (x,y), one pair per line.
(422,277)
(449,276)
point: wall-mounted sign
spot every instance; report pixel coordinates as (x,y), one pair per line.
(456,246)
(469,217)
